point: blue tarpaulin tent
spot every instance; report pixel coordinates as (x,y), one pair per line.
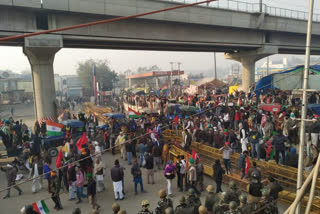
(267,82)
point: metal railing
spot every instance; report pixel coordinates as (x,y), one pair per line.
(254,8)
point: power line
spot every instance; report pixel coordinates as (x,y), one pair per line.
(101,22)
(91,156)
(251,46)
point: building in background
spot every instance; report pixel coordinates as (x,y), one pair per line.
(72,86)
(265,70)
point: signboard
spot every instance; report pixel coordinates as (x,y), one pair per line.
(106,93)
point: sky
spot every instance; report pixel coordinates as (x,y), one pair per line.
(66,60)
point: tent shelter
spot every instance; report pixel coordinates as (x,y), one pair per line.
(289,79)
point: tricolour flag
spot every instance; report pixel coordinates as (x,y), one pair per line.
(239,101)
(133,114)
(40,207)
(164,87)
(54,129)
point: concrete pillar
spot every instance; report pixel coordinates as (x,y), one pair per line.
(248,72)
(248,60)
(129,82)
(157,83)
(40,51)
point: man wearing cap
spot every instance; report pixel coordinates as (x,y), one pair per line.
(55,190)
(120,141)
(91,191)
(292,129)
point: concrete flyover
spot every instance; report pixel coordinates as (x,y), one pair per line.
(243,36)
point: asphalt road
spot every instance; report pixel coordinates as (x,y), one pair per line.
(131,203)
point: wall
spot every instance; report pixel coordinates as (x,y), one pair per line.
(27,86)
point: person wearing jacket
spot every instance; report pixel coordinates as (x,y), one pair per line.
(169,173)
(91,190)
(278,141)
(55,190)
(11,174)
(72,178)
(117,176)
(79,185)
(149,167)
(46,171)
(137,176)
(242,163)
(217,175)
(315,130)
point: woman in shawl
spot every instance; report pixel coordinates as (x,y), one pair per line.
(98,172)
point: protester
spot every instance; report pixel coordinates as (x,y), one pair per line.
(169,173)
(11,174)
(137,176)
(217,175)
(117,177)
(79,185)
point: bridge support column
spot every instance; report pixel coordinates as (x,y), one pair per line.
(157,83)
(130,83)
(248,60)
(40,51)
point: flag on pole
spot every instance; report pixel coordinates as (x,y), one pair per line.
(95,81)
(187,162)
(40,207)
(239,101)
(165,87)
(83,140)
(247,165)
(54,129)
(195,155)
(59,159)
(133,114)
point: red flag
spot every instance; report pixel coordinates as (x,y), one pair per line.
(247,165)
(83,140)
(217,102)
(59,159)
(187,162)
(193,154)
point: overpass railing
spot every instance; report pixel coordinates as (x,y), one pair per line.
(254,8)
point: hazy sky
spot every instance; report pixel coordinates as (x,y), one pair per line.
(66,60)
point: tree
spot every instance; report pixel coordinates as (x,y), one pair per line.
(105,76)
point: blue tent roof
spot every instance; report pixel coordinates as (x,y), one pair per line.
(73,123)
(266,82)
(115,115)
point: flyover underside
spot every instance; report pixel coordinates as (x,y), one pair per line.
(148,34)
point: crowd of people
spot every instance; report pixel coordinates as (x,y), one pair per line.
(231,123)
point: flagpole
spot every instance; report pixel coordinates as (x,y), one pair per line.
(304,104)
(95,83)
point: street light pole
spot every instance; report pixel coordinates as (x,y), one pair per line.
(304,104)
(171,75)
(215,66)
(267,66)
(179,63)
